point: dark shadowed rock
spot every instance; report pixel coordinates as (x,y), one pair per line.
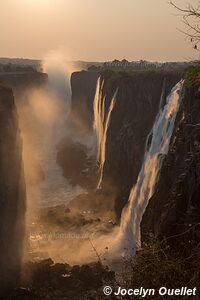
(12,192)
(46,280)
(83,85)
(137,104)
(78,166)
(175,206)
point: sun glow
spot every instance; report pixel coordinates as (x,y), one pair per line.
(39,3)
(39,7)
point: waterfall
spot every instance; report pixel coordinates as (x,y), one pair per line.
(155,151)
(101,124)
(162,98)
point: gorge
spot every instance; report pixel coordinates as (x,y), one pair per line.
(131,145)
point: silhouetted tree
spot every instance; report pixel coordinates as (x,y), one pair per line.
(191,18)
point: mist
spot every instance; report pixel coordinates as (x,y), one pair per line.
(43,112)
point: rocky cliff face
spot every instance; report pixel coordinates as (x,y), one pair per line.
(83,85)
(12,192)
(137,104)
(21,80)
(138,100)
(175,206)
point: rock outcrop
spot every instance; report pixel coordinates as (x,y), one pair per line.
(12,192)
(77,165)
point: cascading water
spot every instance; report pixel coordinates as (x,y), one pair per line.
(101,124)
(162,98)
(156,149)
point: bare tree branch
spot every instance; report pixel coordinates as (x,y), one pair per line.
(191,19)
(190,10)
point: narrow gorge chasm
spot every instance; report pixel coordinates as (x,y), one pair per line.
(95,166)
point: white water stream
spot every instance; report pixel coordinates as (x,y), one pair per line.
(101,125)
(156,150)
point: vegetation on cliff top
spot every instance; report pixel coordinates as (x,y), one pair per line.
(192,77)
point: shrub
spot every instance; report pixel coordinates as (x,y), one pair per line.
(157,265)
(192,77)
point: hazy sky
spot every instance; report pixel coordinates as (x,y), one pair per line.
(95,30)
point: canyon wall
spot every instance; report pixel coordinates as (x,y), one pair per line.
(175,207)
(138,99)
(12,192)
(22,80)
(83,86)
